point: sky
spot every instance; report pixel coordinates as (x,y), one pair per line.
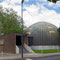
(35,10)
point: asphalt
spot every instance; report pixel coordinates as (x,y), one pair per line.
(38,58)
(6,56)
(45,58)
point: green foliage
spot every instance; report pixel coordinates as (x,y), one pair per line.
(47,51)
(9,21)
(54,1)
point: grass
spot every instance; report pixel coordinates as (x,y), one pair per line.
(47,51)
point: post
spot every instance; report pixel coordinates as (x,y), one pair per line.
(22,26)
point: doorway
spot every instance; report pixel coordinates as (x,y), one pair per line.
(18,40)
(18,44)
(30,41)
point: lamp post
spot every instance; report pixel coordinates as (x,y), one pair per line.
(22,26)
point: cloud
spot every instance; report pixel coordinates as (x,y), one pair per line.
(26,0)
(34,13)
(32,8)
(11,4)
(58,4)
(42,0)
(32,16)
(13,1)
(51,4)
(54,5)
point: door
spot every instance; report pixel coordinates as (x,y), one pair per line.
(30,41)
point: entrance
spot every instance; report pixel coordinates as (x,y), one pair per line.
(30,41)
(18,40)
(18,44)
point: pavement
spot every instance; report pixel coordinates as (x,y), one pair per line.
(39,58)
(6,56)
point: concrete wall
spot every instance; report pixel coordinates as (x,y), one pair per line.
(45,47)
(17,49)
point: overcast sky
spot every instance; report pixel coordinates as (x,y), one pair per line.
(35,10)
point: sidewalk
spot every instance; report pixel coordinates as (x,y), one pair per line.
(28,55)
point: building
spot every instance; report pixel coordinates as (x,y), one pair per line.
(43,35)
(39,36)
(10,43)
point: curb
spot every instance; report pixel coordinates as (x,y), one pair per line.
(43,55)
(32,55)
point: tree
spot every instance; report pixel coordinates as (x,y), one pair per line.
(9,21)
(54,1)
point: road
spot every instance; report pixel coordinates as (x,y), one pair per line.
(44,58)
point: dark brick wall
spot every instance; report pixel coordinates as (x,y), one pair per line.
(9,45)
(26,39)
(1,45)
(1,48)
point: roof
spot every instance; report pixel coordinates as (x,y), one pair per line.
(43,33)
